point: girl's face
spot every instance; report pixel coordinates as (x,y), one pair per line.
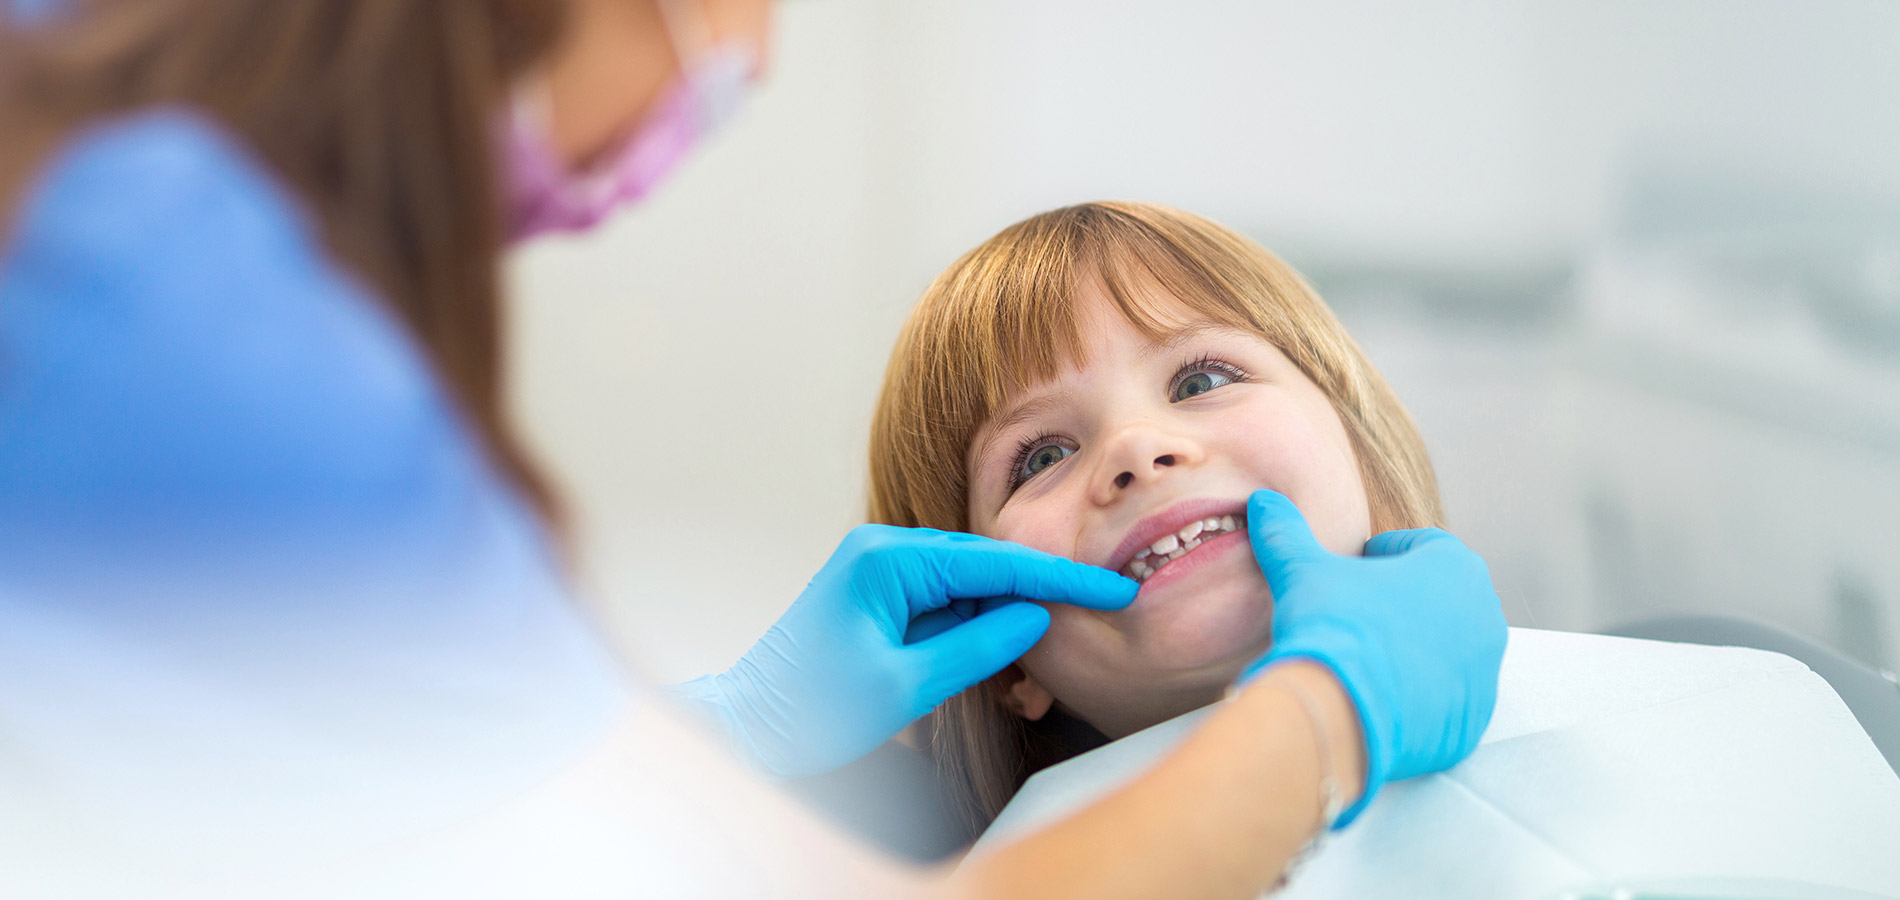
(1112,458)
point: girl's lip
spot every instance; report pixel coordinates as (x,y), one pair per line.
(1168,521)
(1193,561)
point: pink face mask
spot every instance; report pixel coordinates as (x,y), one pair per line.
(544,196)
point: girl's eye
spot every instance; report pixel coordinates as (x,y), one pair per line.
(1043,457)
(1203,375)
(1197,384)
(1036,455)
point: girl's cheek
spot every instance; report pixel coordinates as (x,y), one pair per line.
(1305,452)
(1071,641)
(1035,526)
(1275,434)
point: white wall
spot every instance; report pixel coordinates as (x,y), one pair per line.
(700,374)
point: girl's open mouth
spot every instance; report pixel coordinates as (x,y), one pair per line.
(1170,547)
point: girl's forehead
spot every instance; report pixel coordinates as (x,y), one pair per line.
(1141,313)
(1106,300)
(1111,340)
(1017,339)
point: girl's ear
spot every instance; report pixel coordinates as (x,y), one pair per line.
(1025,696)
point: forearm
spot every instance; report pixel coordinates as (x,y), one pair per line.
(1221,816)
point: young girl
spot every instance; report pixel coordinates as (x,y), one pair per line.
(1110,382)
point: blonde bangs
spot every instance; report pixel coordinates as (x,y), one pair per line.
(1010,312)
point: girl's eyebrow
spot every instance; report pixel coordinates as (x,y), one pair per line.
(1192,332)
(1016,415)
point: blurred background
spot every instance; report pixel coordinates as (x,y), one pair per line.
(1634,267)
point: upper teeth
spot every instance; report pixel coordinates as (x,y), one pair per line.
(1171,547)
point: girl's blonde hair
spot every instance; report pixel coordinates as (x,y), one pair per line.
(1004,317)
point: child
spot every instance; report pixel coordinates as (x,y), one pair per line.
(1109,382)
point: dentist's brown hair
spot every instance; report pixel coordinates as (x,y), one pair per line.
(1003,318)
(378,114)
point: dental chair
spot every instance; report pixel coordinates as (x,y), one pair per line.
(1872,696)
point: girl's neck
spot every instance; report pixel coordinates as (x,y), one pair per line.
(1135,711)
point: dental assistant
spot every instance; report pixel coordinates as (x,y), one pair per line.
(277,580)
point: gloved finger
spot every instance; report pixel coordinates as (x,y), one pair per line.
(930,624)
(1282,541)
(934,622)
(1393,543)
(968,566)
(975,650)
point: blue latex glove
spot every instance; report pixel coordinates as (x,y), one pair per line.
(1413,629)
(835,677)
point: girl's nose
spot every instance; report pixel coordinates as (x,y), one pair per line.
(1125,479)
(1142,454)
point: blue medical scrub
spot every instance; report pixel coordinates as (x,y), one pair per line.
(29,11)
(255,573)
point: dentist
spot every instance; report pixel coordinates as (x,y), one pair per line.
(278,598)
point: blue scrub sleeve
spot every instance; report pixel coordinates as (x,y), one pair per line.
(254,570)
(30,12)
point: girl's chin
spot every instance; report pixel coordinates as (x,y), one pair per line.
(1213,630)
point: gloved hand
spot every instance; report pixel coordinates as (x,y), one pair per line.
(1414,630)
(834,678)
